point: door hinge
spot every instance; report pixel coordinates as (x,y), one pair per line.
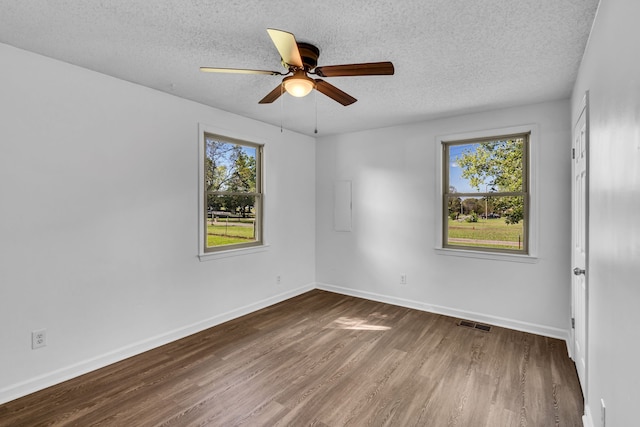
(573,323)
(573,154)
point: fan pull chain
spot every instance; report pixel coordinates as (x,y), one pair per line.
(316,102)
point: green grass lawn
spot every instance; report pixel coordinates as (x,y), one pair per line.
(493,229)
(224,233)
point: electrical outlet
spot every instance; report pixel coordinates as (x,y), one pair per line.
(403,279)
(38,338)
(278,279)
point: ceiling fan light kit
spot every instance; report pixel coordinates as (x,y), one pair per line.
(299,84)
(300,59)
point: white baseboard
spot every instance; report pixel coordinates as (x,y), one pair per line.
(517,325)
(32,385)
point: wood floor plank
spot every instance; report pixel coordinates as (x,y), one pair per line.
(324,359)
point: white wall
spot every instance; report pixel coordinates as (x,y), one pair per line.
(99,221)
(610,71)
(394,191)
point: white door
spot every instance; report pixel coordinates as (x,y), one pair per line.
(579,242)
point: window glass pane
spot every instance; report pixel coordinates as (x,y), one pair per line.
(231,219)
(486,222)
(229,166)
(490,166)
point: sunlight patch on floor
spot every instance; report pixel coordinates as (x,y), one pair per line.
(355,323)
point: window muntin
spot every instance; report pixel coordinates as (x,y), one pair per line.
(486,194)
(233,195)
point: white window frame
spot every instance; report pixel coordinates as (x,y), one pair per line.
(232,250)
(533,220)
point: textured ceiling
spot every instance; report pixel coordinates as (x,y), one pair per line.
(450,56)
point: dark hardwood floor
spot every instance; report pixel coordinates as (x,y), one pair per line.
(324,359)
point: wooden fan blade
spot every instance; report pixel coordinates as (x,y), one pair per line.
(334,93)
(287,47)
(273,95)
(238,71)
(366,69)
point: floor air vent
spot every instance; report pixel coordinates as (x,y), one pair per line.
(474,325)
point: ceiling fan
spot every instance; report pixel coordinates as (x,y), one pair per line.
(300,60)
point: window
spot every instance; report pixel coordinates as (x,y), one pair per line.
(486,199)
(232,197)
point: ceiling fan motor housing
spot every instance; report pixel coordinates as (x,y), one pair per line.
(309,54)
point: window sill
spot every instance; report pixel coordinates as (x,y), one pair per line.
(527,259)
(210,256)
